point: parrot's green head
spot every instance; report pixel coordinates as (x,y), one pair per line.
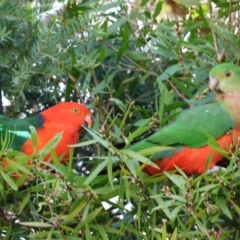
(225,79)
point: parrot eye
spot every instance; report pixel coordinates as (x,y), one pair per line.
(75,110)
(228,74)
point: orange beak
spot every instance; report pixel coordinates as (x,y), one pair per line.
(88,120)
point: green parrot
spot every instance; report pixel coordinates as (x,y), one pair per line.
(190,132)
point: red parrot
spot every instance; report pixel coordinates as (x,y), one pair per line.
(188,133)
(66,117)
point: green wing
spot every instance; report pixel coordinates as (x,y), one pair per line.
(190,127)
(16,131)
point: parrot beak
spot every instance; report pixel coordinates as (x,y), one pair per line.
(88,120)
(214,85)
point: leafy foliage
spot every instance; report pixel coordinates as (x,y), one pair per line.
(137,65)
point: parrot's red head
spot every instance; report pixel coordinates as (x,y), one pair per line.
(69,113)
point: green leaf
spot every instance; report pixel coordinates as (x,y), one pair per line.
(208,187)
(177,180)
(152,150)
(75,211)
(212,142)
(24,202)
(114,27)
(109,170)
(107,6)
(168,99)
(170,71)
(138,157)
(101,231)
(82,144)
(237,208)
(85,211)
(221,203)
(188,2)
(9,180)
(91,216)
(174,235)
(125,40)
(36,224)
(96,171)
(34,137)
(144,127)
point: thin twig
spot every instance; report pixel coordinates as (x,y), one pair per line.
(177,91)
(214,35)
(128,58)
(94,79)
(73,80)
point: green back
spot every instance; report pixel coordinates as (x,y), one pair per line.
(190,127)
(17,131)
